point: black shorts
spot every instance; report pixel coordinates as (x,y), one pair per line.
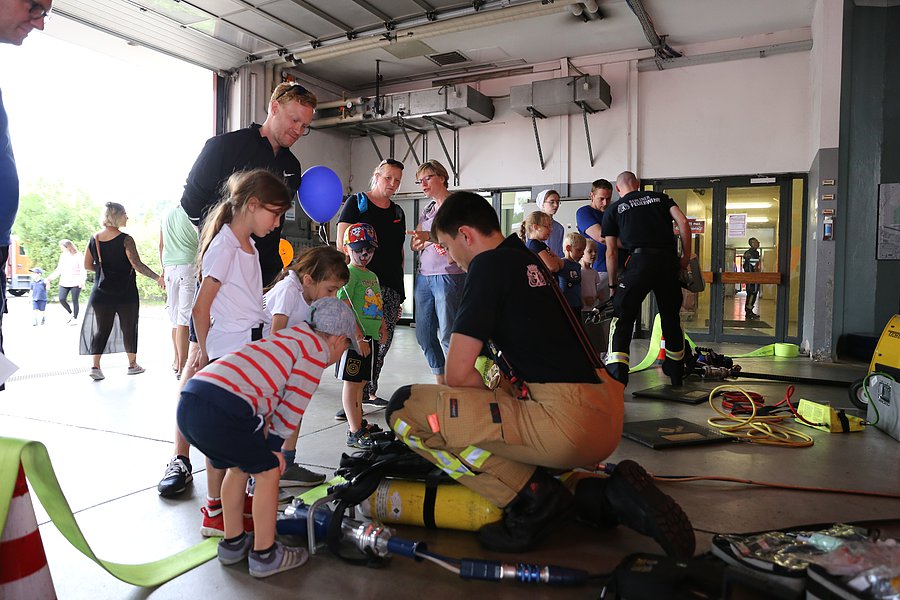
(223,427)
(356,368)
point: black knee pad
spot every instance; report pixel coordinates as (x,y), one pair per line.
(397,401)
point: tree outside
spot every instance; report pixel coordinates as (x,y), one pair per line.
(50,212)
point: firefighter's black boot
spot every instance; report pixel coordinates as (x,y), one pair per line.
(541,504)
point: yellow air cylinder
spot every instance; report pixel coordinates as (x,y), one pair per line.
(404,502)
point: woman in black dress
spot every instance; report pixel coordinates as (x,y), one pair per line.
(111,318)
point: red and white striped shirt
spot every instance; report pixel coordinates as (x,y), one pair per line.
(276,375)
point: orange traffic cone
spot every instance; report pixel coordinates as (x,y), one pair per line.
(662,349)
(24,573)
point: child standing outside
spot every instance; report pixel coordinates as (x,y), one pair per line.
(228,308)
(363,295)
(38,296)
(238,411)
(535,231)
(317,273)
(569,276)
(590,279)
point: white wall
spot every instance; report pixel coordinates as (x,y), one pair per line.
(825,74)
(739,117)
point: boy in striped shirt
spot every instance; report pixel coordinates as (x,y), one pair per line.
(239,409)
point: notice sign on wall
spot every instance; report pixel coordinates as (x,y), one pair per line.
(737,225)
(888,247)
(698,226)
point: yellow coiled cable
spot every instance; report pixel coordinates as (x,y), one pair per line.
(755,429)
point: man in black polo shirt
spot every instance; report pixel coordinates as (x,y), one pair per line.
(642,220)
(265,146)
(554,410)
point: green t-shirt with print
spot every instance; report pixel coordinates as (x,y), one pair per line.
(364,294)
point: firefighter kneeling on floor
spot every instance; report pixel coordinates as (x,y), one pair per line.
(554,412)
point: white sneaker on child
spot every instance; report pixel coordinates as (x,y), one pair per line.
(279,558)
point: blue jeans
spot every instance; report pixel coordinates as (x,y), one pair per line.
(437,300)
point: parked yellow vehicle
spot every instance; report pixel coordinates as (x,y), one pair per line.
(18,275)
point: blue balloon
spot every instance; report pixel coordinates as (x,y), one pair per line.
(320,193)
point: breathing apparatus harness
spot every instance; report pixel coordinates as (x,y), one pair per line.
(363,471)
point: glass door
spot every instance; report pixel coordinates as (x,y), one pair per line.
(697,205)
(748,236)
(749,273)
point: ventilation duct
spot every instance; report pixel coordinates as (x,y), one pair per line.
(562,96)
(447,106)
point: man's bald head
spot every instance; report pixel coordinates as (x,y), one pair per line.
(627,182)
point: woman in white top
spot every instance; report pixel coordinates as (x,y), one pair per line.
(71,273)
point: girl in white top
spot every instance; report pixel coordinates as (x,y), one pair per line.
(71,273)
(317,273)
(228,310)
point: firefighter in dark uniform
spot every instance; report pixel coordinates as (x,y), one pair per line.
(642,222)
(751,265)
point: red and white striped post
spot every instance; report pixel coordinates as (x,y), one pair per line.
(24,573)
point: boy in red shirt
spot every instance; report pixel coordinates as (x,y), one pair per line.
(239,409)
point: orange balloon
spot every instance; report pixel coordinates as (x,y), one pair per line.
(285,251)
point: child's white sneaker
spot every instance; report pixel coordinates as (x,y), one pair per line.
(279,558)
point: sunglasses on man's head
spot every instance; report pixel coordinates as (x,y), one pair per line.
(294,87)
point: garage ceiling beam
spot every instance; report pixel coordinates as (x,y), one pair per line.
(365,5)
(425,6)
(273,19)
(323,15)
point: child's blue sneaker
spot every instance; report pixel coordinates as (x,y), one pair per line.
(279,558)
(234,552)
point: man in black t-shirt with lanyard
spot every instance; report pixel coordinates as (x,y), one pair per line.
(555,410)
(642,220)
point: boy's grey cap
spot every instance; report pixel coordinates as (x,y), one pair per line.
(333,316)
(37,270)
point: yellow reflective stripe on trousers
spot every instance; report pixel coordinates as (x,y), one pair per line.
(672,355)
(475,456)
(612,332)
(448,463)
(617,357)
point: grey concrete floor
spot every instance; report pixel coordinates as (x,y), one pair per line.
(110,441)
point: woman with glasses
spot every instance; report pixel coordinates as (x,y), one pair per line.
(376,208)
(439,282)
(548,203)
